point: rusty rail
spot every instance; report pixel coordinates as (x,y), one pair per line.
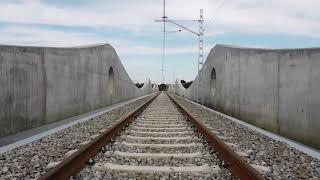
(238,167)
(78,160)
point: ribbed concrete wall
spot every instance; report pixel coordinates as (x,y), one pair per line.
(42,85)
(277,90)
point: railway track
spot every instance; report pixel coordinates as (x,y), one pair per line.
(159,140)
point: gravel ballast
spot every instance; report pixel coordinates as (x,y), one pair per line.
(142,153)
(32,160)
(273,159)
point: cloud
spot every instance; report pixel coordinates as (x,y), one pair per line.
(21,35)
(290,17)
(104,14)
(147,50)
(129,26)
(294,17)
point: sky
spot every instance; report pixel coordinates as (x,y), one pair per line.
(129,26)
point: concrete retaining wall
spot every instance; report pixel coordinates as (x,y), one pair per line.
(277,90)
(42,85)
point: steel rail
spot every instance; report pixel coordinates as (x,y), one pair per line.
(238,167)
(76,162)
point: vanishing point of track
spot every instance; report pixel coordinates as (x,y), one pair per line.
(158,139)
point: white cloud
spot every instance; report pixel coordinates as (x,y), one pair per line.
(20,35)
(289,17)
(145,50)
(34,11)
(294,17)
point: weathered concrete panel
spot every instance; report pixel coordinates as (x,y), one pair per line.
(228,83)
(42,85)
(313,106)
(258,88)
(22,88)
(277,90)
(293,93)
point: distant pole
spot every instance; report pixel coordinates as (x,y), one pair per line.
(173,76)
(163,50)
(164,38)
(164,8)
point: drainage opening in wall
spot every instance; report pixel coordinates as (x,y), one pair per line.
(213,82)
(111,81)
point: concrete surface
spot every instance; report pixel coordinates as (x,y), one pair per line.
(41,85)
(310,151)
(277,90)
(10,142)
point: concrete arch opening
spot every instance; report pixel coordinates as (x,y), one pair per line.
(111,81)
(213,82)
(139,85)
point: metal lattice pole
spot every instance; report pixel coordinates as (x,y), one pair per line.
(164,17)
(200,35)
(200,57)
